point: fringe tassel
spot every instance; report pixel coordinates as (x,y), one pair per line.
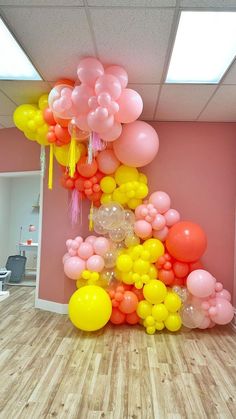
(42,160)
(91,217)
(50,169)
(90,149)
(75,207)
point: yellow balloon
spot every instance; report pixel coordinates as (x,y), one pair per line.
(38,119)
(155,248)
(90,308)
(141,266)
(106,198)
(160,312)
(124,263)
(144,309)
(154,291)
(42,140)
(142,191)
(108,184)
(149,321)
(150,330)
(62,154)
(22,115)
(119,197)
(131,239)
(159,325)
(152,272)
(126,277)
(142,178)
(134,203)
(173,322)
(43,101)
(126,174)
(172,302)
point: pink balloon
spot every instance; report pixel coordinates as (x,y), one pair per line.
(88,70)
(107,162)
(82,122)
(113,133)
(159,222)
(101,246)
(91,239)
(161,201)
(59,101)
(104,99)
(223,311)
(161,234)
(205,323)
(69,243)
(73,267)
(109,84)
(130,106)
(65,257)
(225,294)
(93,103)
(172,216)
(72,252)
(95,263)
(139,212)
(218,286)
(142,228)
(137,145)
(74,245)
(79,240)
(85,250)
(80,97)
(118,72)
(98,125)
(201,283)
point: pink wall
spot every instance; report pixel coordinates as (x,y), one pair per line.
(195,165)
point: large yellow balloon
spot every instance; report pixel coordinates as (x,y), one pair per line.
(62,154)
(154,291)
(43,101)
(155,248)
(22,115)
(173,322)
(126,174)
(90,308)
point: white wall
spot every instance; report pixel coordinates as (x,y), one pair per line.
(4,218)
(24,193)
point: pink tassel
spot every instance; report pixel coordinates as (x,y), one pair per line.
(75,206)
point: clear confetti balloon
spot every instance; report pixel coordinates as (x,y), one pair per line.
(111,215)
(117,234)
(191,316)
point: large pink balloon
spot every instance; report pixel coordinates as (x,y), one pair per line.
(160,200)
(109,84)
(99,125)
(161,234)
(137,145)
(73,267)
(222,312)
(88,70)
(82,122)
(101,246)
(201,283)
(85,250)
(80,97)
(107,162)
(142,229)
(95,263)
(172,216)
(130,106)
(118,72)
(113,133)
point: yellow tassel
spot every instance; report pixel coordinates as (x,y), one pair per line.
(91,218)
(50,168)
(72,152)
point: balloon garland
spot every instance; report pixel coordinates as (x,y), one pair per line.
(144,264)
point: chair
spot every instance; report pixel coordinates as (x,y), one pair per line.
(16,264)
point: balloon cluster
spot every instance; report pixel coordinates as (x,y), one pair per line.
(208,303)
(155,217)
(85,255)
(30,120)
(173,272)
(101,102)
(124,305)
(127,187)
(135,265)
(160,308)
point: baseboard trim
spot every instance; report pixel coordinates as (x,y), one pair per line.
(51,306)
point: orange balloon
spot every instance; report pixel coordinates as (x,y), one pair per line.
(63,122)
(166,276)
(64,81)
(85,169)
(129,302)
(181,269)
(116,316)
(132,318)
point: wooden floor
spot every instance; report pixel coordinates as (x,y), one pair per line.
(50,369)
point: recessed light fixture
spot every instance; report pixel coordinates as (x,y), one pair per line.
(205,46)
(14,63)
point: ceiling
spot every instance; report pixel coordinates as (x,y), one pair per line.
(137,34)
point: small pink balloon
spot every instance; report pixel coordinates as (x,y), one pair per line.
(130,106)
(69,243)
(118,72)
(205,323)
(159,222)
(72,252)
(142,229)
(205,305)
(107,162)
(101,113)
(101,246)
(138,212)
(82,122)
(85,250)
(65,257)
(113,107)
(73,267)
(161,234)
(113,133)
(104,99)
(172,216)
(98,125)
(225,294)
(109,84)
(80,97)
(93,103)
(79,240)
(218,286)
(91,239)
(161,201)
(89,70)
(74,245)
(95,263)
(200,283)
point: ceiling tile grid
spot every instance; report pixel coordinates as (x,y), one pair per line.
(137,34)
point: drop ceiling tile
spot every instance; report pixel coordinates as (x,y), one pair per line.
(7,121)
(230,77)
(182,102)
(149,93)
(42,3)
(54,38)
(6,105)
(24,91)
(208,3)
(137,40)
(222,107)
(132,3)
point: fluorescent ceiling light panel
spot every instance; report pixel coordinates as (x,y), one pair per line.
(14,63)
(205,46)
